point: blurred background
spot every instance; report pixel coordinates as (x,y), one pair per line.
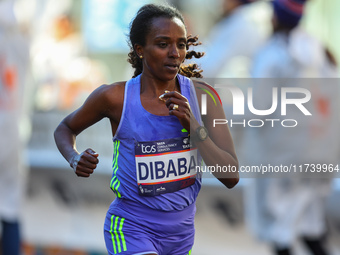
(54,53)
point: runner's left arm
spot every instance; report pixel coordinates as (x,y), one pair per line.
(218,149)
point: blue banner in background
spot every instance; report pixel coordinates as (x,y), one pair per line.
(106,24)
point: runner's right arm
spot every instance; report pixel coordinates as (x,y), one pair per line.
(105,101)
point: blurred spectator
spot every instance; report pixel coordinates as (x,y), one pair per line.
(14,59)
(291,207)
(230,47)
(61,67)
(234,39)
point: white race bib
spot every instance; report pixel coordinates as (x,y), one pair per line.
(165,166)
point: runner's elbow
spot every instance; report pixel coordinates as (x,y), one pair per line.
(232,182)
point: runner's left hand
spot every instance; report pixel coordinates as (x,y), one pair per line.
(179,106)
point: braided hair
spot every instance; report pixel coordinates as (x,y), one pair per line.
(141,26)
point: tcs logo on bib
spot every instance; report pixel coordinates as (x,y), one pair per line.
(148,148)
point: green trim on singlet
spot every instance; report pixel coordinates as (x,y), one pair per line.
(117,236)
(115,183)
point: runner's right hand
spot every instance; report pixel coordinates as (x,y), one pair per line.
(84,163)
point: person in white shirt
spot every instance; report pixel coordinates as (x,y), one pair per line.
(288,208)
(14,59)
(227,45)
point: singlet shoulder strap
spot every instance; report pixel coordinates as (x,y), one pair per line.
(194,103)
(127,94)
(189,91)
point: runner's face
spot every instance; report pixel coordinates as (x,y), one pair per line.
(165,48)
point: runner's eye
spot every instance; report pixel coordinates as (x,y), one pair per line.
(162,44)
(182,45)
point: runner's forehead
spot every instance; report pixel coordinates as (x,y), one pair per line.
(167,28)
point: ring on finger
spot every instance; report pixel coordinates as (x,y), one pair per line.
(175,107)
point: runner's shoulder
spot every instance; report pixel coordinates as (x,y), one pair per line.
(112,93)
